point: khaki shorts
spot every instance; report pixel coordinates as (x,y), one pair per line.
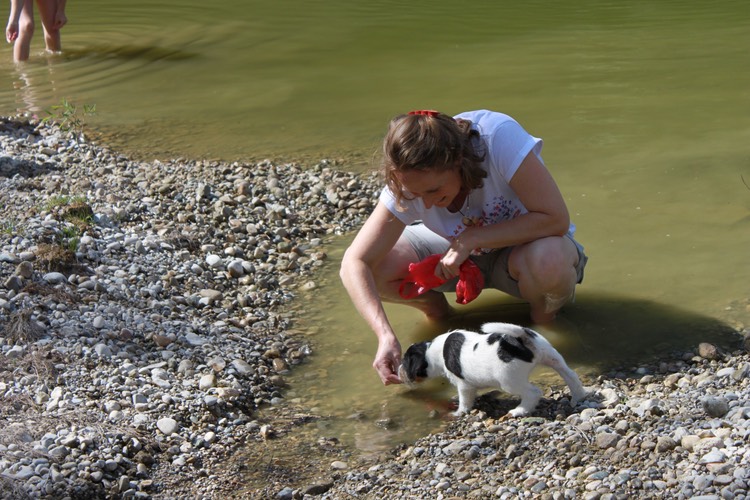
(494,265)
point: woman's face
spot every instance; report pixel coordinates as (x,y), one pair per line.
(435,188)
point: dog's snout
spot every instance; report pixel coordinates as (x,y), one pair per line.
(401,372)
(405,377)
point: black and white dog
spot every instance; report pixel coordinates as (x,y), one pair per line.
(501,355)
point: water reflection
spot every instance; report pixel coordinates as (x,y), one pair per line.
(35,83)
(599,333)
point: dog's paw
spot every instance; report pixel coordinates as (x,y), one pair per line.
(575,399)
(584,394)
(518,412)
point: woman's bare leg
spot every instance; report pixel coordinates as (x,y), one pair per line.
(393,270)
(546,273)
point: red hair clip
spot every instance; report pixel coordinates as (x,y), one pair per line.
(424,112)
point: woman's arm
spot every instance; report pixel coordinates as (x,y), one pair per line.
(372,244)
(547,216)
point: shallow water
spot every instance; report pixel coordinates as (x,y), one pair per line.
(601,331)
(644,108)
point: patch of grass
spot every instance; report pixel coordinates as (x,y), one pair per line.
(77,212)
(56,201)
(73,209)
(69,117)
(182,240)
(38,365)
(70,237)
(62,200)
(8,227)
(79,209)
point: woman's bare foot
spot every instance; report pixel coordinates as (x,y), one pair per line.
(542,317)
(442,315)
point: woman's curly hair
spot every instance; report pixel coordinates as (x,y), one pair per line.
(431,142)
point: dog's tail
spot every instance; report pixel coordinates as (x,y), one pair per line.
(507,329)
(545,352)
(549,356)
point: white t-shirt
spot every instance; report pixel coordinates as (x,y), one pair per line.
(505,145)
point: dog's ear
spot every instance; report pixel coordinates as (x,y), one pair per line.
(414,361)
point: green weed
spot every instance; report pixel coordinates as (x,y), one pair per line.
(57,201)
(69,238)
(8,227)
(74,210)
(68,116)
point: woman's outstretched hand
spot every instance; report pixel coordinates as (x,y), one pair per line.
(387,361)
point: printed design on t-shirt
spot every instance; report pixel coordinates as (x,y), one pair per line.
(501,209)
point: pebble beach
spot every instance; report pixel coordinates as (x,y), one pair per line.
(147,329)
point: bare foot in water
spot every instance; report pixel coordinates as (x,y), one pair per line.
(542,317)
(435,306)
(440,316)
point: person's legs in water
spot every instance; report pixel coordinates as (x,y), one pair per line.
(22,44)
(52,23)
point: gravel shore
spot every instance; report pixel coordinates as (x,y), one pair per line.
(147,323)
(146,311)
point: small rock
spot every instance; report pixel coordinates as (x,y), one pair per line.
(280,366)
(214,261)
(242,367)
(713,456)
(195,340)
(25,270)
(285,494)
(161,340)
(55,278)
(207,381)
(708,351)
(167,426)
(715,406)
(606,440)
(317,488)
(665,443)
(266,432)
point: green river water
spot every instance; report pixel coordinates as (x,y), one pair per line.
(644,108)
